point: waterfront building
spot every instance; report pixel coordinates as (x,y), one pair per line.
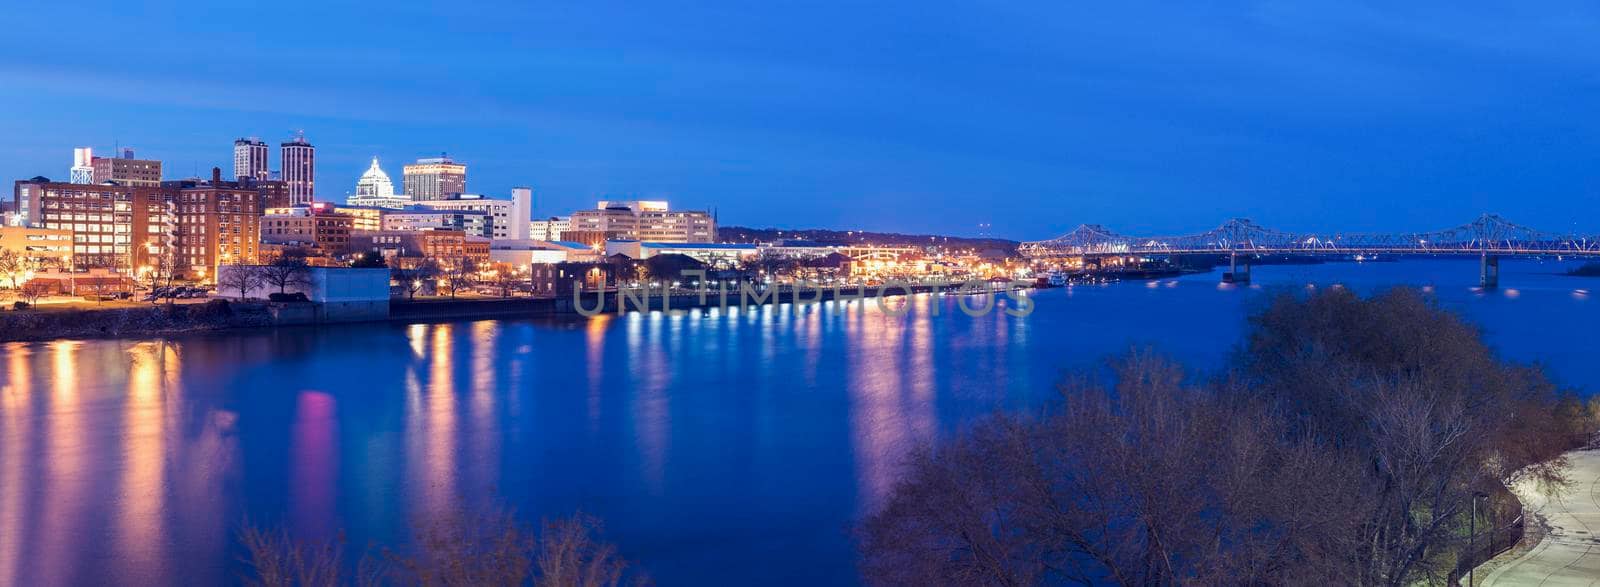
(374,183)
(318,226)
(800,249)
(523,254)
(250,159)
(410,248)
(549,229)
(187,226)
(82,170)
(721,256)
(216,223)
(114,227)
(125,170)
(641,220)
(474,222)
(53,246)
(299,169)
(434,178)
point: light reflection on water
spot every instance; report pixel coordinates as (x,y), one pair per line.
(733,446)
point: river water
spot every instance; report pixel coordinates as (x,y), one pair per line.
(718,447)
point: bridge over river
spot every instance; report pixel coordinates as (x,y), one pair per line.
(1489,238)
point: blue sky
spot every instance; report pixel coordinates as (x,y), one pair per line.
(918,117)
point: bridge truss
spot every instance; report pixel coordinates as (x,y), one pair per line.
(1488,235)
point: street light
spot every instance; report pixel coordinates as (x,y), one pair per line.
(1472,544)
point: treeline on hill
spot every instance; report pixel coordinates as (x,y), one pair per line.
(740,234)
(1344,444)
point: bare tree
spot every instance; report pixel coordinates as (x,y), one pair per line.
(160,272)
(286,271)
(411,277)
(569,552)
(506,280)
(1344,446)
(101,287)
(457,274)
(31,291)
(241,278)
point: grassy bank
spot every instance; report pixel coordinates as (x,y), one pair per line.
(149,320)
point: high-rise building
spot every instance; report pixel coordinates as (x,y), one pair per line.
(250,159)
(218,223)
(435,178)
(374,183)
(82,166)
(300,170)
(189,226)
(113,226)
(125,170)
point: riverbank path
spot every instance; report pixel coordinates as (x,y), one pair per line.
(1570,553)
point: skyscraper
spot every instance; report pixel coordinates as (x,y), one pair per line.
(82,165)
(299,169)
(250,159)
(435,178)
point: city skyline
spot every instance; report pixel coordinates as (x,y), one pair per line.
(1030,119)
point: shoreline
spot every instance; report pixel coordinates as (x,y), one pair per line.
(221,314)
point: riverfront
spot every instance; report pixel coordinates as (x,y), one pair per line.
(718,447)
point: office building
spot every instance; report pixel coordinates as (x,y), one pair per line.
(188,226)
(112,227)
(125,170)
(409,248)
(51,246)
(434,178)
(274,192)
(642,220)
(549,229)
(499,213)
(472,222)
(250,159)
(717,255)
(318,226)
(299,170)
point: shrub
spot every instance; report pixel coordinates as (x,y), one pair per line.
(288,297)
(20,305)
(492,548)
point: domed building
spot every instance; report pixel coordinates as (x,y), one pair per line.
(374,183)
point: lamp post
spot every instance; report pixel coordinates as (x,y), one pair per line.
(1472,547)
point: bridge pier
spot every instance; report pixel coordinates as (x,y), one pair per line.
(1237,272)
(1489,271)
